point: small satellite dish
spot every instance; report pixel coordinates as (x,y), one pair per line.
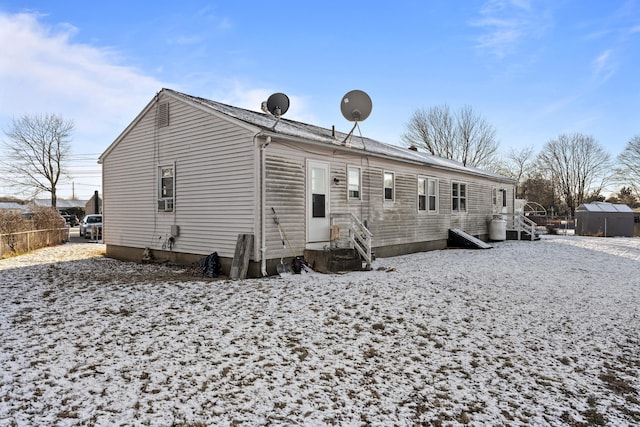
(356,106)
(278,104)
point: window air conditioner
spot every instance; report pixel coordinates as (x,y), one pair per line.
(165,205)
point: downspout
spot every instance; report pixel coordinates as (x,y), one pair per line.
(263,207)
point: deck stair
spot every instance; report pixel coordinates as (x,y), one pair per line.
(352,251)
(520,227)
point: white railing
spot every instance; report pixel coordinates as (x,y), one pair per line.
(25,241)
(520,223)
(360,237)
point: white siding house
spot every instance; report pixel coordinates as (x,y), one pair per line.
(189,175)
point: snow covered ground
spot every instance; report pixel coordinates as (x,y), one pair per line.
(526,333)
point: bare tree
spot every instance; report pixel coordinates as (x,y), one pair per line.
(517,165)
(464,136)
(433,130)
(578,167)
(476,139)
(37,149)
(629,169)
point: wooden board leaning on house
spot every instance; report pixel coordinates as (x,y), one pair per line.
(240,263)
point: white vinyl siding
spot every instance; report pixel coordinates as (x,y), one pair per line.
(217,191)
(215,195)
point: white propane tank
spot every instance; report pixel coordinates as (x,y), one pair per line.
(498,228)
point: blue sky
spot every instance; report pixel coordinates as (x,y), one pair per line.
(533,69)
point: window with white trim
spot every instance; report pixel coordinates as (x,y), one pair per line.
(458,197)
(389,186)
(432,194)
(427,194)
(353,183)
(166,188)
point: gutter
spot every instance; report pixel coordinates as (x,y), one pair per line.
(263,202)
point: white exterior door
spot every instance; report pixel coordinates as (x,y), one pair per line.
(499,200)
(317,202)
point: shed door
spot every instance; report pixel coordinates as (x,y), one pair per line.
(317,201)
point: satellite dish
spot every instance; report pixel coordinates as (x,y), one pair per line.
(356,106)
(278,104)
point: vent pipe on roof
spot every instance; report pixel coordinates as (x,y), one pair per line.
(413,148)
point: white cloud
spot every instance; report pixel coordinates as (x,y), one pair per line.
(43,70)
(604,66)
(238,93)
(505,24)
(46,71)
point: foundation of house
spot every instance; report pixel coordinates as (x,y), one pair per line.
(333,260)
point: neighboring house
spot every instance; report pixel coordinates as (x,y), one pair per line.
(93,205)
(636,222)
(61,204)
(604,219)
(11,207)
(189,175)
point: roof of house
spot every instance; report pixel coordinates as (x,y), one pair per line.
(11,206)
(603,207)
(310,133)
(60,203)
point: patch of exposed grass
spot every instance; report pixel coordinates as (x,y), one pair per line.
(616,384)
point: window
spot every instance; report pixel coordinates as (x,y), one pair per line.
(458,197)
(422,193)
(427,194)
(353,183)
(432,193)
(388,186)
(166,188)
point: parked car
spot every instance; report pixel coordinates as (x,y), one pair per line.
(88,222)
(68,219)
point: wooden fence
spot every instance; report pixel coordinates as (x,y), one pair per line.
(26,241)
